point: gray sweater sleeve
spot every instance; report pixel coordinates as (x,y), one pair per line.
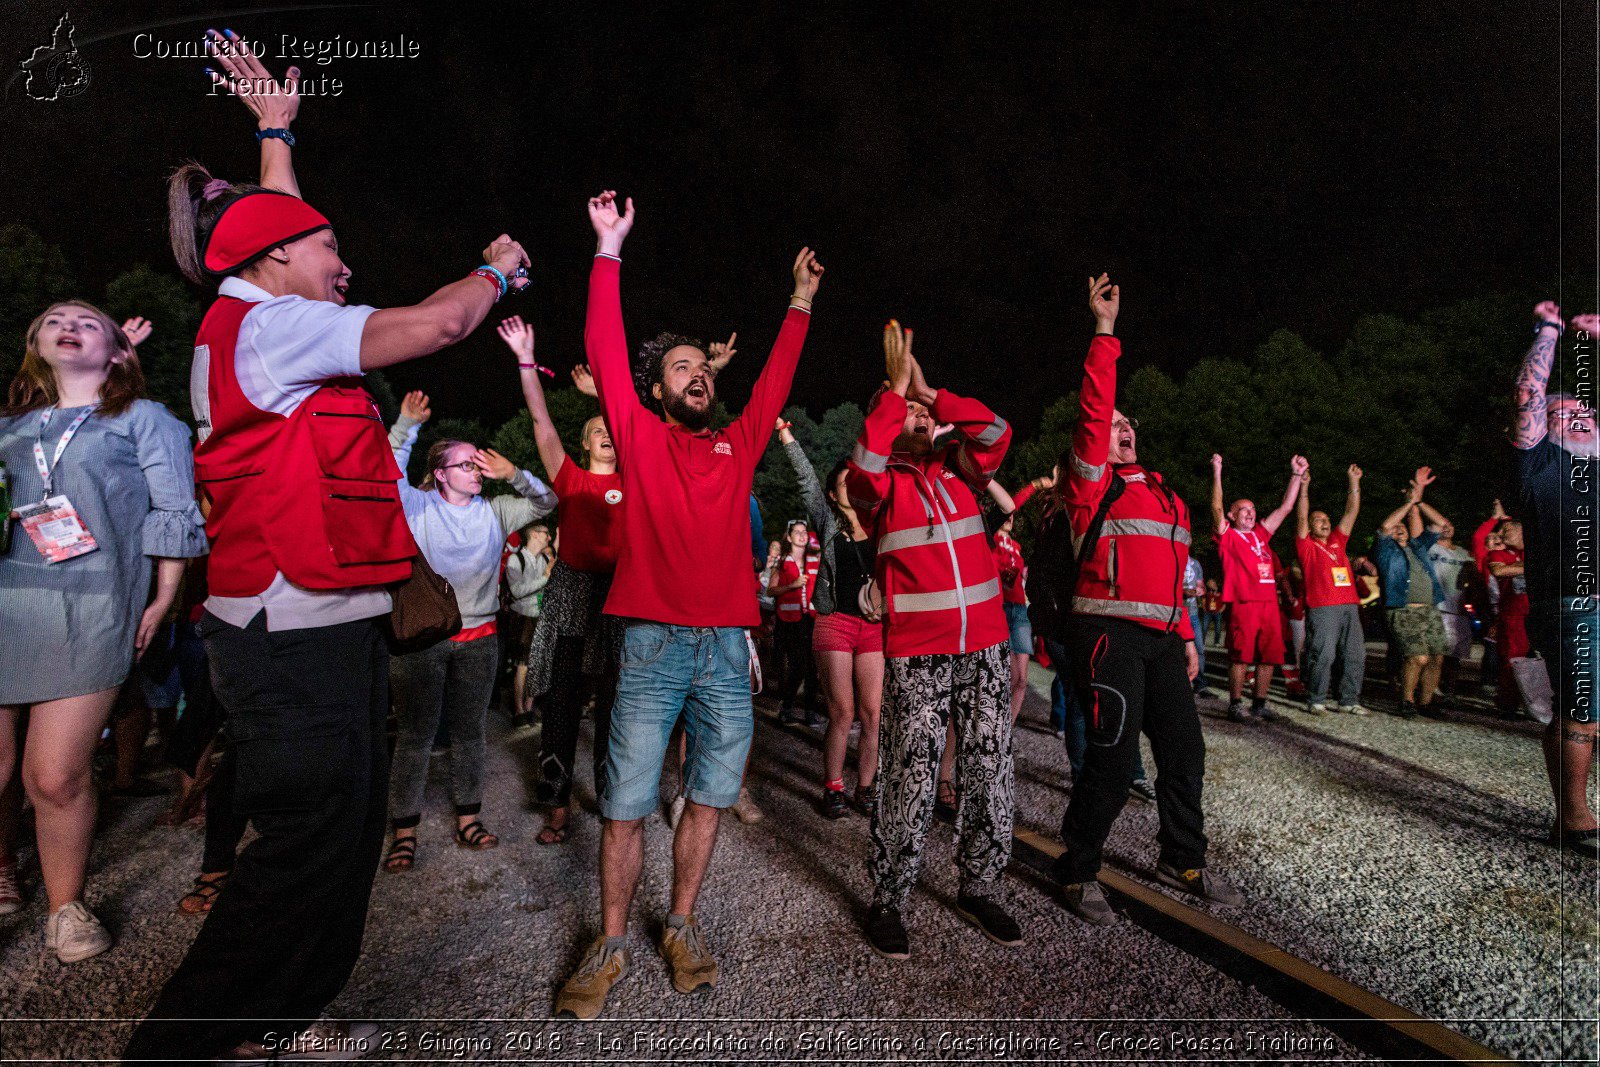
(534,500)
(817,509)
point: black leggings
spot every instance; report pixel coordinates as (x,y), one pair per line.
(796,664)
(1130,678)
(563,711)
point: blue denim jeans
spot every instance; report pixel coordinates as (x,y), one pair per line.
(1199,642)
(699,672)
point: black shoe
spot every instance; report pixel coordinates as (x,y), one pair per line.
(788,717)
(1406,710)
(1263,711)
(866,799)
(816,720)
(1238,711)
(1201,882)
(990,919)
(1088,902)
(1436,710)
(1142,790)
(1204,692)
(833,804)
(887,934)
(1583,842)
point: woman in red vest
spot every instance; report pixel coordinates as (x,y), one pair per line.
(307,535)
(793,589)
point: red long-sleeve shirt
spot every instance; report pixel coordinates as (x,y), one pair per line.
(685,552)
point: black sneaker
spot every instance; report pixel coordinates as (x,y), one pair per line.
(1201,882)
(1583,842)
(990,918)
(887,934)
(1239,711)
(833,804)
(1406,710)
(788,717)
(815,719)
(1436,710)
(1142,790)
(1263,711)
(866,799)
(1088,902)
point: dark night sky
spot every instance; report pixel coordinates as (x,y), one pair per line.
(960,166)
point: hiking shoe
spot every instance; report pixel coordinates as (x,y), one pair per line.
(1583,842)
(834,805)
(1200,882)
(10,890)
(330,1039)
(1088,902)
(887,934)
(1261,710)
(675,810)
(685,948)
(584,994)
(866,799)
(990,918)
(1354,709)
(1406,710)
(1239,711)
(745,809)
(1318,708)
(74,934)
(1142,790)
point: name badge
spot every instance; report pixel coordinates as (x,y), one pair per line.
(56,529)
(1341,577)
(1264,572)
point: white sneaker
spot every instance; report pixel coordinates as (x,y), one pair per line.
(745,809)
(10,890)
(1354,709)
(675,812)
(1317,709)
(74,934)
(329,1039)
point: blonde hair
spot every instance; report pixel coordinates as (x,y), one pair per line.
(191,213)
(436,456)
(35,384)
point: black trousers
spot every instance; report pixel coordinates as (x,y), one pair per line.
(1129,678)
(563,713)
(796,664)
(306,711)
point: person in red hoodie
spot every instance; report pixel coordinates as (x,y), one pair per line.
(945,642)
(1129,641)
(684,586)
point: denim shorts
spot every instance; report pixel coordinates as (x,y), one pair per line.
(1021,642)
(699,672)
(1569,642)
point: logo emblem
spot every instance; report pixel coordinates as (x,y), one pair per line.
(722,448)
(613,496)
(56,71)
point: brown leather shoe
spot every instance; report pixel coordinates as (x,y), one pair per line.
(584,995)
(692,965)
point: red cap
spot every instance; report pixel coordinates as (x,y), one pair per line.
(254,224)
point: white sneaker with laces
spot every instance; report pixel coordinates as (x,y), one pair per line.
(73,933)
(1354,709)
(331,1039)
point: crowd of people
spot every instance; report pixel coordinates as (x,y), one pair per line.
(260,574)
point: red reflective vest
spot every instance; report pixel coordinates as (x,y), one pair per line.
(311,494)
(797,603)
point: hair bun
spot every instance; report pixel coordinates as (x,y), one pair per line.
(215,188)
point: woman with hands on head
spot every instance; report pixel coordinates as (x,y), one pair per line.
(574,647)
(462,535)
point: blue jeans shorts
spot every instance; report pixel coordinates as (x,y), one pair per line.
(1021,642)
(699,672)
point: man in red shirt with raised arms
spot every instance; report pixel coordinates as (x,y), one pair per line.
(1333,614)
(1255,633)
(683,584)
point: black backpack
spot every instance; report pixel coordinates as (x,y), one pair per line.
(1053,570)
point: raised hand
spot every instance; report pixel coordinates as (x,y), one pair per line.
(1589,324)
(785,433)
(1300,465)
(518,336)
(919,389)
(1424,477)
(494,464)
(1499,510)
(1354,474)
(1547,311)
(1216,463)
(897,356)
(807,275)
(583,380)
(138,329)
(1105,300)
(722,352)
(274,105)
(610,226)
(506,256)
(415,406)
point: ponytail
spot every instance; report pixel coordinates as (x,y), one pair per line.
(194,203)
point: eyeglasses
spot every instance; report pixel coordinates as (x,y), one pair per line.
(466,466)
(1132,424)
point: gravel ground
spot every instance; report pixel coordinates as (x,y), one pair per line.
(1403,856)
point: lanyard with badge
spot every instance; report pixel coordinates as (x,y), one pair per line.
(53,524)
(1341,575)
(1263,564)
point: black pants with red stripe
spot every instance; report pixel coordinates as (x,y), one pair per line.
(1131,679)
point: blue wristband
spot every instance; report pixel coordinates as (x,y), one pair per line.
(500,278)
(1559,327)
(275,131)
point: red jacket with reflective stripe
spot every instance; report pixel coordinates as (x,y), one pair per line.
(312,494)
(1136,571)
(935,572)
(796,603)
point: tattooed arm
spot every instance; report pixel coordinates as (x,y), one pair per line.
(1534,376)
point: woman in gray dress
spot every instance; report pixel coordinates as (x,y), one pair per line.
(76,431)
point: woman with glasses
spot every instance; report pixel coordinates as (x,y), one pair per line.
(462,535)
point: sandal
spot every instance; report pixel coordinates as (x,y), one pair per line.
(554,835)
(198,900)
(402,854)
(945,798)
(475,837)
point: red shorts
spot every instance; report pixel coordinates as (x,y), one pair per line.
(846,633)
(1255,632)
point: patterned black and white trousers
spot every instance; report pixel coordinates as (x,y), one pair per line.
(920,694)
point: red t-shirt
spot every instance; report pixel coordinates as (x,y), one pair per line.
(1247,570)
(1330,579)
(1513,590)
(590,518)
(1008,561)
